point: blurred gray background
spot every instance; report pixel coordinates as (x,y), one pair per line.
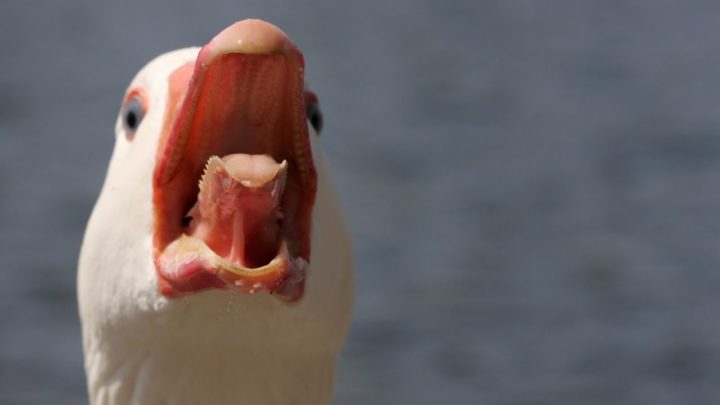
(532,188)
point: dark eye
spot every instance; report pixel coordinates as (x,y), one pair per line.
(313,113)
(132,114)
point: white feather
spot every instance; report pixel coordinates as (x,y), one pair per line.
(214,347)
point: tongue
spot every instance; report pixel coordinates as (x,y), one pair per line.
(238,208)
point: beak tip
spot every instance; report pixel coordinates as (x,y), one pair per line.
(249,37)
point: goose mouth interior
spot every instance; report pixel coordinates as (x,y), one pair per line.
(234,182)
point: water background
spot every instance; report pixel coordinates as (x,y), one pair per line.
(532,187)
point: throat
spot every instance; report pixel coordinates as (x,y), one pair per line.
(194,372)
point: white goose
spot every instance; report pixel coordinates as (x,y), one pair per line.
(237,290)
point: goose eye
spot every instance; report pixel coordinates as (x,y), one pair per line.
(132,115)
(313,113)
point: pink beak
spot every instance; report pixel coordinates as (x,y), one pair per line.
(242,106)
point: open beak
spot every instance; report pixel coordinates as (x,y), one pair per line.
(234,182)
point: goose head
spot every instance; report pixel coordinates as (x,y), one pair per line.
(216,265)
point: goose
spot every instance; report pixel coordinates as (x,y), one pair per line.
(216,267)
